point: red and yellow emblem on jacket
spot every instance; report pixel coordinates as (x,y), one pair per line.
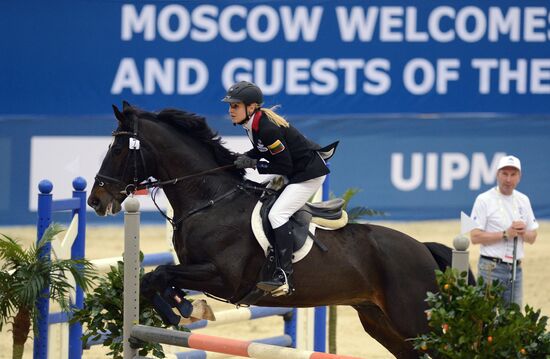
(276,147)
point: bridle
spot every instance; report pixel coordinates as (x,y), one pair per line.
(135,147)
(130,188)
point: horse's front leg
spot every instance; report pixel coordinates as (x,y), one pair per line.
(195,276)
(162,288)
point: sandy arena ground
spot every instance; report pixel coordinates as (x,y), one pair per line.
(351,339)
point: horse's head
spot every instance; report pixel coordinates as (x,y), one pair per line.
(124,165)
(165,145)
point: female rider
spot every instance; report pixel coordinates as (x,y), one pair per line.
(278,148)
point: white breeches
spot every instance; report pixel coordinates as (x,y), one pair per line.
(294,196)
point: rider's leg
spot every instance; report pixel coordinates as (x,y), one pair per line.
(291,199)
(283,250)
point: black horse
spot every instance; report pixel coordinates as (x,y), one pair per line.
(382,273)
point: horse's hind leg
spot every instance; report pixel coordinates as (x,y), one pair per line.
(380,327)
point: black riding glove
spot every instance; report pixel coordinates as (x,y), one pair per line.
(243,161)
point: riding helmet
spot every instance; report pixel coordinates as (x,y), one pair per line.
(245,92)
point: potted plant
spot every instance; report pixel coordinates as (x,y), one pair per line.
(103,315)
(24,276)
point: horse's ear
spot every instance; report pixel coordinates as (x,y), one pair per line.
(119,116)
(125,105)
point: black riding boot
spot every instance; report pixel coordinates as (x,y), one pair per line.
(285,241)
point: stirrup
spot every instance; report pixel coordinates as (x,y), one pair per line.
(282,290)
(271,285)
(268,287)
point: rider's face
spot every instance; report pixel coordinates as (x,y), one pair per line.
(237,112)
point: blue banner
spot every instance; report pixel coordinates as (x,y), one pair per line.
(316,57)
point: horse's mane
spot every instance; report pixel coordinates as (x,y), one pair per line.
(193,125)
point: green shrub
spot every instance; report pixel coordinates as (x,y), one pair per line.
(473,322)
(103,313)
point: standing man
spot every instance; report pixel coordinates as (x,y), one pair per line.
(502,214)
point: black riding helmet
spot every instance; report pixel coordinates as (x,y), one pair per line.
(245,92)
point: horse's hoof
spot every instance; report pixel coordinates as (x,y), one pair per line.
(202,310)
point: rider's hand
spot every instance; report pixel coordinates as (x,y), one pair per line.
(243,161)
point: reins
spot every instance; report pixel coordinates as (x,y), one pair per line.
(240,186)
(159,184)
(175,223)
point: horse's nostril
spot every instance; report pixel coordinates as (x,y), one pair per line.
(93,202)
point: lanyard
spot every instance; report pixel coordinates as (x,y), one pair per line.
(505,214)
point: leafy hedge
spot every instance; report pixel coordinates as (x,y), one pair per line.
(470,322)
(103,314)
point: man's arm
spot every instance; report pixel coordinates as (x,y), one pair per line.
(478,236)
(530,236)
(519,228)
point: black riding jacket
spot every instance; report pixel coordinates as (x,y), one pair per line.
(289,153)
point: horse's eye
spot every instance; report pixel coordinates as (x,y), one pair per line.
(117,151)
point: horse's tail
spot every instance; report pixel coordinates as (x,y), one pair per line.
(443,255)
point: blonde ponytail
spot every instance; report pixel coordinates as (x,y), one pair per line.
(274,117)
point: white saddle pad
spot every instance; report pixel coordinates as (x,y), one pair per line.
(258,229)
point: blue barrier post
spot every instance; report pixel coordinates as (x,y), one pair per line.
(78,252)
(46,206)
(45,187)
(291,326)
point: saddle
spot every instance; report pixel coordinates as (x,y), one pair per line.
(328,215)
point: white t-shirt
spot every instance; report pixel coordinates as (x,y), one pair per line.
(495,212)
